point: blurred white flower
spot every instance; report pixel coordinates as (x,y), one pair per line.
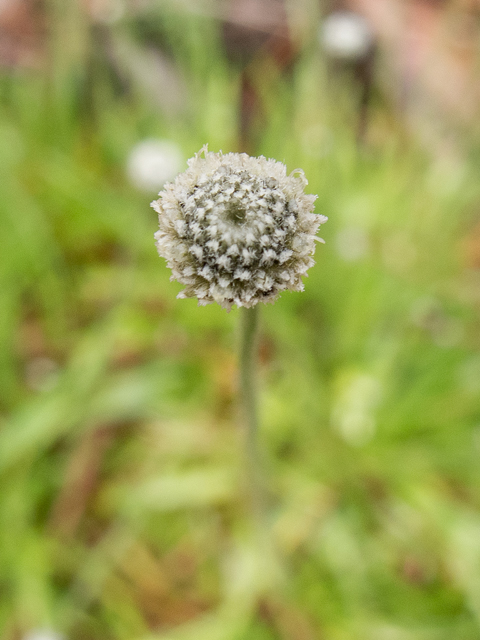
(236,229)
(152,163)
(352,244)
(346,35)
(43,634)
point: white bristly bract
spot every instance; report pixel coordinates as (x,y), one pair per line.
(236,229)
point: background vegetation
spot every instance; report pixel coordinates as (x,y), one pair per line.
(122,502)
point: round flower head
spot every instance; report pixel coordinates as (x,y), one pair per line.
(236,229)
(152,163)
(346,35)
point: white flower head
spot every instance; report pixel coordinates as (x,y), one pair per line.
(236,229)
(346,35)
(152,163)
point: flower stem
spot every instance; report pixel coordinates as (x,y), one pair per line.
(248,409)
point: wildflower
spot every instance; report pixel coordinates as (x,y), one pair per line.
(152,163)
(236,229)
(346,35)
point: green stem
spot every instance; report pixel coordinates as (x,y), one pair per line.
(248,408)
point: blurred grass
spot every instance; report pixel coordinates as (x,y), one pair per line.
(122,504)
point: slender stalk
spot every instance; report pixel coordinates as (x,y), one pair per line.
(248,409)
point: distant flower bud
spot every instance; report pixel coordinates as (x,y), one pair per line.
(236,229)
(152,163)
(346,35)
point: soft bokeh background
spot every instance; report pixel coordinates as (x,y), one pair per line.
(123,509)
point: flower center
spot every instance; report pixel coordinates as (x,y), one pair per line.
(236,213)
